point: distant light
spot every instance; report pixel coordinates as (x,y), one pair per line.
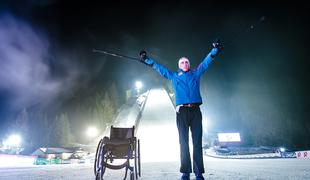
(13,141)
(282,149)
(228,137)
(50,156)
(139,84)
(92,132)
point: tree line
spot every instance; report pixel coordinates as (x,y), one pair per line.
(63,123)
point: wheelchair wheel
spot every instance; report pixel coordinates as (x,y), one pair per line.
(98,176)
(99,169)
(135,156)
(137,167)
(132,176)
(139,159)
(96,157)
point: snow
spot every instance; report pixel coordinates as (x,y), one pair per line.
(160,155)
(210,152)
(216,169)
(7,160)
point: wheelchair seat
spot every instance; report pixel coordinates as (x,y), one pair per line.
(108,141)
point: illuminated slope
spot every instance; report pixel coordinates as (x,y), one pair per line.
(157,130)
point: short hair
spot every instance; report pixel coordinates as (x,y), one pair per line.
(183,58)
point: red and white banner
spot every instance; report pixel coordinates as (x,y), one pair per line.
(302,154)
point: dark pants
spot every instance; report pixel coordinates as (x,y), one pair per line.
(190,118)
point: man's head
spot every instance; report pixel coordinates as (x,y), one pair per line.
(184,64)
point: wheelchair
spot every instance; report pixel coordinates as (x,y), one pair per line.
(122,146)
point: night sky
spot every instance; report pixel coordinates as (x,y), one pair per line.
(46,50)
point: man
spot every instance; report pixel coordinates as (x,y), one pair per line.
(188,99)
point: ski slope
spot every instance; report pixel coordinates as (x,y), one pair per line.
(217,169)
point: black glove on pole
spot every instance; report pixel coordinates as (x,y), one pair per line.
(218,45)
(143,55)
(144,58)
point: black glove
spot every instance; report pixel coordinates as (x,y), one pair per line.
(217,48)
(143,55)
(218,44)
(145,59)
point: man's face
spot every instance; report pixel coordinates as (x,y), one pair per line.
(184,64)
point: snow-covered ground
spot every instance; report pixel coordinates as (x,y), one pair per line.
(215,169)
(212,153)
(7,160)
(160,155)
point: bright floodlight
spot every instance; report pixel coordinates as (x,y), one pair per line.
(13,141)
(282,149)
(139,84)
(92,132)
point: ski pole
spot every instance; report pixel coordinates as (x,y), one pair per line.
(116,55)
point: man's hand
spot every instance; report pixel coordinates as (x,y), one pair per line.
(145,59)
(218,44)
(217,48)
(143,55)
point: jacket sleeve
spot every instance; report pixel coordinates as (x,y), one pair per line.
(202,67)
(162,70)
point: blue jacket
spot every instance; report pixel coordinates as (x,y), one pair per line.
(186,85)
